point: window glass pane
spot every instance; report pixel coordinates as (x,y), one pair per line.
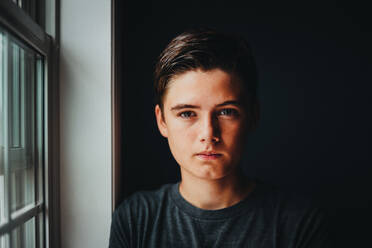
(24,235)
(22,188)
(2,129)
(4,241)
(41,230)
(21,114)
(39,126)
(2,199)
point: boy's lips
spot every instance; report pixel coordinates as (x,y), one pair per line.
(210,155)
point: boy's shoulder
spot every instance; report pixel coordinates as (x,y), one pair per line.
(282,198)
(145,200)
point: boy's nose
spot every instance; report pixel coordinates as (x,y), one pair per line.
(209,130)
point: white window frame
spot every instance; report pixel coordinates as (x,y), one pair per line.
(15,21)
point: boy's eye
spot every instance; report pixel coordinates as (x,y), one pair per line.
(187,114)
(228,112)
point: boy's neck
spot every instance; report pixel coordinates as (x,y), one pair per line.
(215,194)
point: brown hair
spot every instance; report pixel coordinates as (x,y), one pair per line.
(206,49)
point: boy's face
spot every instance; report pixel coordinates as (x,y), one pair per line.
(204,122)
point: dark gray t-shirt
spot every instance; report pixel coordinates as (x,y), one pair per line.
(266,218)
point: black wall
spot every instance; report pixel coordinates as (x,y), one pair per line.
(314,63)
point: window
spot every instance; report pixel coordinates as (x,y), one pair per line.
(21,144)
(28,208)
(34,9)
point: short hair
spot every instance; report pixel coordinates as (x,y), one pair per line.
(206,49)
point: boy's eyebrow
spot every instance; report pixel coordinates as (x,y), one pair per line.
(190,106)
(183,106)
(230,102)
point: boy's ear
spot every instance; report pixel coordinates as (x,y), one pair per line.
(160,121)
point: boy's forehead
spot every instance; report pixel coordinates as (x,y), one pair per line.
(204,79)
(198,87)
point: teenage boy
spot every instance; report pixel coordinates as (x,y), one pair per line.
(205,83)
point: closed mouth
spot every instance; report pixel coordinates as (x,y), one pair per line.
(208,155)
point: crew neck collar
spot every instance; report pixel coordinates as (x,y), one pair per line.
(224,213)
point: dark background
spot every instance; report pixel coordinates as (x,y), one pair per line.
(314,64)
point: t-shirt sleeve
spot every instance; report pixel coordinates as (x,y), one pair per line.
(118,236)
